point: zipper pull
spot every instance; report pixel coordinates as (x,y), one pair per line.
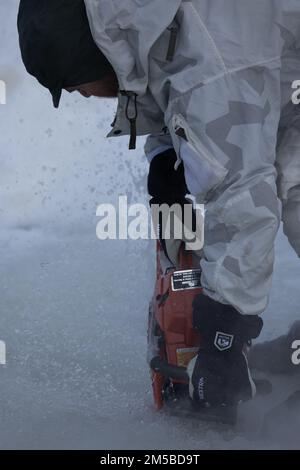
(132,118)
(181,133)
(133,134)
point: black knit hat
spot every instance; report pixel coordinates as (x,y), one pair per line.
(57,46)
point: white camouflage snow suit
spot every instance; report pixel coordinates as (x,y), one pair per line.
(212,78)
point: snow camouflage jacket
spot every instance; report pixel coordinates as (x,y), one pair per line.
(212,78)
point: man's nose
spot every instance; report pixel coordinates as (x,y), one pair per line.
(70,90)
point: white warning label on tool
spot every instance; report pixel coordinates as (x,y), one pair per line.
(189,279)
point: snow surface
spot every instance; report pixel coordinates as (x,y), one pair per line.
(74,309)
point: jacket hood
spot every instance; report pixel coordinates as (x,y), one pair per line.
(57,46)
(125,31)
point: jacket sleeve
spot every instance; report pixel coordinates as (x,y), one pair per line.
(156,144)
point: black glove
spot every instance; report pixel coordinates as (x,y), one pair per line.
(165,184)
(168,186)
(219,375)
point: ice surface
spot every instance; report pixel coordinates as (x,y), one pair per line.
(73,310)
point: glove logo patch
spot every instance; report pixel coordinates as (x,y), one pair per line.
(201,389)
(223,341)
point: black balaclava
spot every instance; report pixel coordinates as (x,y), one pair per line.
(57,46)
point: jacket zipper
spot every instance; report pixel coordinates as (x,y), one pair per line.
(172,43)
(183,131)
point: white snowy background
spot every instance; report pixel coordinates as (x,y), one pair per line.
(73,309)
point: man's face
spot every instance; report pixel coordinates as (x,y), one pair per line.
(106,88)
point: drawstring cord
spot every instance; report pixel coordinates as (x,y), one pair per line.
(132,118)
(131,95)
